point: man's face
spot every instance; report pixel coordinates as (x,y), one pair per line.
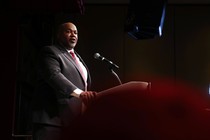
(68,35)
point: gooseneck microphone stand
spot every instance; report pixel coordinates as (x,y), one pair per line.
(115,74)
(110,64)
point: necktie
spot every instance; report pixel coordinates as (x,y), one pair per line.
(80,67)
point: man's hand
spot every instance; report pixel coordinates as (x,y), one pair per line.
(88,97)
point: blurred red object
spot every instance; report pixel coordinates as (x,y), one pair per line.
(167,111)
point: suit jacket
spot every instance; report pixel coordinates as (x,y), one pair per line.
(58,77)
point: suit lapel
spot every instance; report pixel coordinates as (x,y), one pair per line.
(68,56)
(88,78)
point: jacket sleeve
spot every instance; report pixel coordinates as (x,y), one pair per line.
(50,71)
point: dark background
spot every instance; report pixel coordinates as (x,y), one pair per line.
(181,53)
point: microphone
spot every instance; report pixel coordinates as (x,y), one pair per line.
(99,57)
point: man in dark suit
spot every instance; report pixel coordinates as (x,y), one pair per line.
(63,86)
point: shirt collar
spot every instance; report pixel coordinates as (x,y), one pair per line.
(70,50)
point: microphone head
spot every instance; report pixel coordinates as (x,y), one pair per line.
(96,55)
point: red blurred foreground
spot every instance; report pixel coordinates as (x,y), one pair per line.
(166,112)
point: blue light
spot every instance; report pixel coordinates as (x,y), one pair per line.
(209,89)
(162,20)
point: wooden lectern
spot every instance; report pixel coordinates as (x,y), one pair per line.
(126,89)
(133,86)
(114,109)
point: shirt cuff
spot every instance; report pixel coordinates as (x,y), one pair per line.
(76,92)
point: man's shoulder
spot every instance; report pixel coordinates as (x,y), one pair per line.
(54,50)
